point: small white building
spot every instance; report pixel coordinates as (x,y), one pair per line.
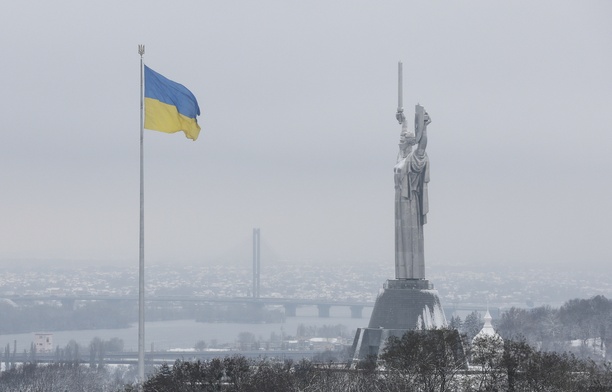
(43,342)
(487,346)
(487,330)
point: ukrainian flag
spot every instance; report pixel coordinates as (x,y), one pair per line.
(169,107)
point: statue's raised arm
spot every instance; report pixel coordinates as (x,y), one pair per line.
(421,120)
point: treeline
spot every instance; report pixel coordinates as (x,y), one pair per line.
(324,331)
(420,361)
(582,326)
(62,377)
(71,354)
(45,317)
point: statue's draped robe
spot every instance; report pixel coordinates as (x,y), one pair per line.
(411,207)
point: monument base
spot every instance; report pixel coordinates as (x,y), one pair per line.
(402,305)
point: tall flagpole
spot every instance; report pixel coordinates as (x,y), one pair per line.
(141,285)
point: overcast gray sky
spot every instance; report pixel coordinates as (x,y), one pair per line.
(299,135)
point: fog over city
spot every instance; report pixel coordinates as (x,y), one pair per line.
(299,135)
(285,249)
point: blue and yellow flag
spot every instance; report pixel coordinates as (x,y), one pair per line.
(169,107)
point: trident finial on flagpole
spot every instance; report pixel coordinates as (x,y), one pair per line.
(141,50)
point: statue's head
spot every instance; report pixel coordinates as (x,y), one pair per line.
(407,139)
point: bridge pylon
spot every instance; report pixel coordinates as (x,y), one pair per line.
(324,310)
(356,311)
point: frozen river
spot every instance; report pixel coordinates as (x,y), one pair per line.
(164,335)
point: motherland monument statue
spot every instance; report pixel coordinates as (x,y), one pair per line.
(411,174)
(408,302)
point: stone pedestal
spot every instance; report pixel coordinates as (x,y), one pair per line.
(402,305)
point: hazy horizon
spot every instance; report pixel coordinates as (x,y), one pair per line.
(299,136)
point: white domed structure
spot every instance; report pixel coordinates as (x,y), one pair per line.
(487,330)
(487,346)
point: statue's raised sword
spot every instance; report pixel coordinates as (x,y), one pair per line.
(400,106)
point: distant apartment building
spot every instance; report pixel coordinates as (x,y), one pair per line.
(43,342)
